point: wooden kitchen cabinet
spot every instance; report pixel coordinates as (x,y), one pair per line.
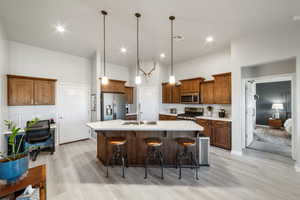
(167,117)
(207,92)
(170,93)
(23,91)
(131,117)
(222,134)
(114,86)
(129,94)
(44,92)
(191,85)
(207,125)
(222,88)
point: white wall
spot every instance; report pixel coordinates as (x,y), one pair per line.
(205,66)
(33,61)
(269,69)
(3,72)
(264,47)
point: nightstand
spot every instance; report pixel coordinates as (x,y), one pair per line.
(275,123)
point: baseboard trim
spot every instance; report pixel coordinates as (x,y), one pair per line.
(297,167)
(237,153)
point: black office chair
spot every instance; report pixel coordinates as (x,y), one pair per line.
(39,137)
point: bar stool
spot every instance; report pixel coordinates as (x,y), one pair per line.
(186,154)
(119,155)
(154,154)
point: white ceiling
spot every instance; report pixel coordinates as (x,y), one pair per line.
(33,22)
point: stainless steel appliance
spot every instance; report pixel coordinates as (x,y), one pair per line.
(113,106)
(190,98)
(204,145)
(190,113)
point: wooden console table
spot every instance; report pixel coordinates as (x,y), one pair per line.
(36,177)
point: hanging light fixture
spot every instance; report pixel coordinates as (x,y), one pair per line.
(138,79)
(104,79)
(172,79)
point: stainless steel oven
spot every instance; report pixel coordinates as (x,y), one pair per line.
(190,98)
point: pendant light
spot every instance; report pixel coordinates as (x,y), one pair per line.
(138,79)
(104,79)
(172,76)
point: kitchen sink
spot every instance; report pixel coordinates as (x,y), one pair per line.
(137,123)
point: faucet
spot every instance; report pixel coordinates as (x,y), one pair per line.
(139,113)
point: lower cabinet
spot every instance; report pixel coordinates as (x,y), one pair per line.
(218,131)
(131,117)
(167,117)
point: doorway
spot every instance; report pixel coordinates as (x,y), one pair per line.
(269,125)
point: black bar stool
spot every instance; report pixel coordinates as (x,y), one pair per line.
(154,154)
(119,154)
(186,155)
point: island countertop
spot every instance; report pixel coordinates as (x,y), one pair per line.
(116,125)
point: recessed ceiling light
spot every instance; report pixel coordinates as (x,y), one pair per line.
(162,55)
(209,39)
(123,50)
(60,28)
(296,18)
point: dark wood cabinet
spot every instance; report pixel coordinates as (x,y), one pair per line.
(222,134)
(218,131)
(114,86)
(131,117)
(207,125)
(129,94)
(222,88)
(170,93)
(207,92)
(191,85)
(23,91)
(167,117)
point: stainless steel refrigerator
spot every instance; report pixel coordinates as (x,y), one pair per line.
(113,106)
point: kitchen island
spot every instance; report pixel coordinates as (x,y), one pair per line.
(135,135)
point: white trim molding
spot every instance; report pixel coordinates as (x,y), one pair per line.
(237,153)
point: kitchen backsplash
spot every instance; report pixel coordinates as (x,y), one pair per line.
(165,108)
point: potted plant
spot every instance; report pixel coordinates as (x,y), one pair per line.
(14,165)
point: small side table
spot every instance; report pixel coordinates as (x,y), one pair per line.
(36,177)
(275,123)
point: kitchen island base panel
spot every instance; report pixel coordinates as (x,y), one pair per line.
(136,148)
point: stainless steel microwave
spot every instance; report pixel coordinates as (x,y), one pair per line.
(190,98)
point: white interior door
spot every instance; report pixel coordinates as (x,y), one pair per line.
(148,98)
(250,111)
(73,109)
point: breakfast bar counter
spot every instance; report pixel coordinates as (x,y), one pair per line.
(135,134)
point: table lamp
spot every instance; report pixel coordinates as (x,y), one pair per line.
(277,107)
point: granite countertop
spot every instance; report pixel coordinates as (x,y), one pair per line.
(129,114)
(173,125)
(226,119)
(167,113)
(7,132)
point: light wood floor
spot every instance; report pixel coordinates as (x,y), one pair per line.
(73,172)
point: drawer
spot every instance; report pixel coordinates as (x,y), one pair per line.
(204,122)
(220,124)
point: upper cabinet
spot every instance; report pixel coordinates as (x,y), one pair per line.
(129,94)
(24,91)
(170,93)
(114,86)
(222,88)
(191,85)
(207,92)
